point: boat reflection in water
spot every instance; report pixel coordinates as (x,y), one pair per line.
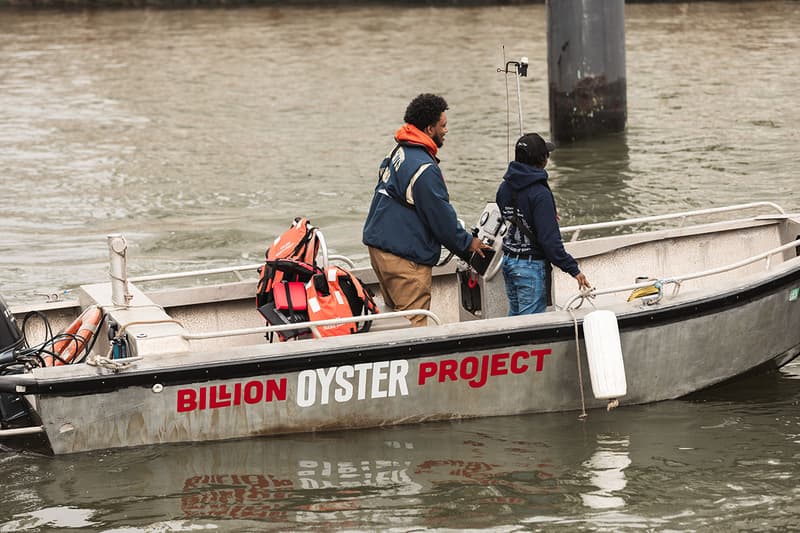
(609,470)
(341,479)
(607,466)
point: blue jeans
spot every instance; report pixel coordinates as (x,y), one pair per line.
(526,285)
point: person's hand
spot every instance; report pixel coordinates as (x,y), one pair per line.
(583,283)
(478,246)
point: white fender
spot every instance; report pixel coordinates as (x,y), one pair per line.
(604,353)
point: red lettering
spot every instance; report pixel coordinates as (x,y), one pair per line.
(476,370)
(499,364)
(515,359)
(426,370)
(219,396)
(276,389)
(253,391)
(187,400)
(224,398)
(480,382)
(255,480)
(472,362)
(540,357)
(447,369)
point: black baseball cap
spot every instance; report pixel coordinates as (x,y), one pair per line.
(532,149)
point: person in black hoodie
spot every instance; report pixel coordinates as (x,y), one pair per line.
(533,239)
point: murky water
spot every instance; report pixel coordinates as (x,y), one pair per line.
(723,461)
(199,134)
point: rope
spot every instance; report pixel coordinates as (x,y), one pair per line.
(583,414)
(116,365)
(585,294)
(112,364)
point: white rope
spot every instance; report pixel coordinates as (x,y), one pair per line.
(584,294)
(112,364)
(583,414)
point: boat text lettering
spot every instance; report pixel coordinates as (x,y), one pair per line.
(224,395)
(364,380)
(477,370)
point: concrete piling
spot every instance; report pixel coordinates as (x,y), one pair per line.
(586,68)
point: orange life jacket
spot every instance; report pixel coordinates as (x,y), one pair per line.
(336,293)
(332,293)
(291,257)
(298,242)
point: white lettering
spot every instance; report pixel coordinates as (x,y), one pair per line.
(362,368)
(325,378)
(306,388)
(397,377)
(306,483)
(364,381)
(378,375)
(345,391)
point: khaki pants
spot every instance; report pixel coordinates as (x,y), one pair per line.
(404,284)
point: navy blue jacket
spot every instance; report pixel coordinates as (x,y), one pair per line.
(413,220)
(537,212)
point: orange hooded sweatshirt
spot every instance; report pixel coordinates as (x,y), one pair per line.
(412,134)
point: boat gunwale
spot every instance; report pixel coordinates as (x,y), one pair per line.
(406,344)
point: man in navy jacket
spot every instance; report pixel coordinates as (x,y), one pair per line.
(533,238)
(411,217)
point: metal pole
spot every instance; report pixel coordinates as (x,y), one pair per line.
(117,250)
(519,107)
(586,68)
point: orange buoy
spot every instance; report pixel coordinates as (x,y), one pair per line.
(75,337)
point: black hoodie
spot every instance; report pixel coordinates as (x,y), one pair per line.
(536,210)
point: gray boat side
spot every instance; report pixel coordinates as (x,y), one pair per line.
(201,368)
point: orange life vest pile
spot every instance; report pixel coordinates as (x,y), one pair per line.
(292,288)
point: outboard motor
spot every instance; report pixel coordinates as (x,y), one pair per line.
(10,335)
(479,271)
(13,407)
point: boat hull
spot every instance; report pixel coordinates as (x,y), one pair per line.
(723,301)
(509,366)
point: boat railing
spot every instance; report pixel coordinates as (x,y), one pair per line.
(682,216)
(575,230)
(313,325)
(237,270)
(677,280)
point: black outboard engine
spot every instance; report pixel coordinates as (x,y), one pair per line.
(13,407)
(10,335)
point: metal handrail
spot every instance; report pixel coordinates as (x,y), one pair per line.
(235,269)
(192,273)
(677,280)
(683,215)
(312,324)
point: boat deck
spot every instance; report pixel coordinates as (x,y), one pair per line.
(224,315)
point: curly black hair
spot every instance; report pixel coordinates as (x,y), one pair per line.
(425,110)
